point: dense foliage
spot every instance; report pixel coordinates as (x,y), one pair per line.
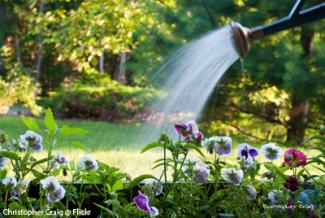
(188,186)
(281,87)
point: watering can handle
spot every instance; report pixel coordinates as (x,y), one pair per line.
(296,8)
(295,18)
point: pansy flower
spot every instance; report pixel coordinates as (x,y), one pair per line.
(292,183)
(196,169)
(247,153)
(55,192)
(189,131)
(20,187)
(87,163)
(271,151)
(233,175)
(295,158)
(142,203)
(218,144)
(57,159)
(30,140)
(9,181)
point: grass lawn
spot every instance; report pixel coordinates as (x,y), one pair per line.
(116,145)
(101,135)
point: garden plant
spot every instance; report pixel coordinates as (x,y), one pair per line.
(200,185)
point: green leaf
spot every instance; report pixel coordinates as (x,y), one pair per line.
(76,144)
(108,211)
(66,130)
(30,123)
(118,185)
(151,145)
(72,165)
(49,121)
(3,173)
(319,137)
(138,179)
(196,148)
(38,174)
(44,160)
(9,155)
(276,170)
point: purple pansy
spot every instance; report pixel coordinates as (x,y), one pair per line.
(20,187)
(142,203)
(87,163)
(196,169)
(58,159)
(233,175)
(189,131)
(271,151)
(55,192)
(9,181)
(30,140)
(247,153)
(201,172)
(218,144)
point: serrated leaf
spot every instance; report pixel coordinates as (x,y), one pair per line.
(30,123)
(49,121)
(151,146)
(66,130)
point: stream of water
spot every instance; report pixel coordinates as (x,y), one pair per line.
(192,73)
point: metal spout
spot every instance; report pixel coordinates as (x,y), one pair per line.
(243,37)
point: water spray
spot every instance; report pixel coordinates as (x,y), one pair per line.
(243,37)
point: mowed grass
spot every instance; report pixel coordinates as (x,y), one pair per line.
(101,135)
(118,145)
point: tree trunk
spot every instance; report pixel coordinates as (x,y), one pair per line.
(17,47)
(299,113)
(120,75)
(101,63)
(39,58)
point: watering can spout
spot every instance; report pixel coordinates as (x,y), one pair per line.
(243,37)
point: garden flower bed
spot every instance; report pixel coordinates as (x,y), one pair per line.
(187,187)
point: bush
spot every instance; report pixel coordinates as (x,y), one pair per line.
(187,186)
(19,89)
(96,96)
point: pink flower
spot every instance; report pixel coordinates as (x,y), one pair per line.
(295,158)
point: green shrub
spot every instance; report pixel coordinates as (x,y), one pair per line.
(19,88)
(97,96)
